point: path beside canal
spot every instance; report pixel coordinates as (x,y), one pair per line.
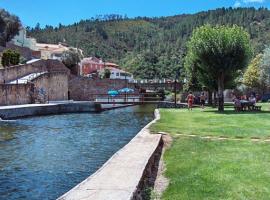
(121,177)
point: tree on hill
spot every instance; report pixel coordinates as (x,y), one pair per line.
(219,52)
(71,58)
(9,26)
(127,41)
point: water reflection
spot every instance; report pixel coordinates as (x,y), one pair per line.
(46,156)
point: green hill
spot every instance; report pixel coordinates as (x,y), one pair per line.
(151,47)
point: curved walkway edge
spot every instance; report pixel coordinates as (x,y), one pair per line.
(120,178)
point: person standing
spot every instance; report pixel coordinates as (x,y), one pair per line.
(190,100)
(202,100)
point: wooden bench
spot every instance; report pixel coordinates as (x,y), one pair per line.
(257,108)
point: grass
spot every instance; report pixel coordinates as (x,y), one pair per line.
(206,169)
(201,169)
(210,122)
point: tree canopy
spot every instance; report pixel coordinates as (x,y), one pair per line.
(216,54)
(9,26)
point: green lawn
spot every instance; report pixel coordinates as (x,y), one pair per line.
(201,169)
(210,122)
(205,169)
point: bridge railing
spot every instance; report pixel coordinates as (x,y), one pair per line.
(128,98)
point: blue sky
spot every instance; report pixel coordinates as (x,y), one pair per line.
(53,12)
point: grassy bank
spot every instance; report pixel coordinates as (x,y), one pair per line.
(205,169)
(210,122)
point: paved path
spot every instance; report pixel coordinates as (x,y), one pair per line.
(119,177)
(253,139)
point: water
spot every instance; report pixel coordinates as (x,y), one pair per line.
(44,157)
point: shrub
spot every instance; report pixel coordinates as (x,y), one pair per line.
(10,57)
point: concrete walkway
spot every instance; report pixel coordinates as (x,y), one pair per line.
(119,177)
(20,111)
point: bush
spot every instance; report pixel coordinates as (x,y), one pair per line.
(107,73)
(10,57)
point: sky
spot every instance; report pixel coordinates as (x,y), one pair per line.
(53,12)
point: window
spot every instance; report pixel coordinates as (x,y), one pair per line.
(117,74)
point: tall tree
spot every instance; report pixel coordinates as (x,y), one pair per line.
(252,75)
(265,71)
(9,26)
(219,53)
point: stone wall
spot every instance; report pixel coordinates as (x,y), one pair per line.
(54,84)
(15,94)
(18,71)
(83,89)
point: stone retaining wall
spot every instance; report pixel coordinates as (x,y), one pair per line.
(15,94)
(82,89)
(55,85)
(14,72)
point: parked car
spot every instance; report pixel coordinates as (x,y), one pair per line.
(265,97)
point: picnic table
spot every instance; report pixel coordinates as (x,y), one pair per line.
(247,105)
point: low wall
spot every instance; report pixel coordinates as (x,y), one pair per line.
(82,89)
(15,94)
(126,174)
(13,112)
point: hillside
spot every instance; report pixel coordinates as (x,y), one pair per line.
(151,47)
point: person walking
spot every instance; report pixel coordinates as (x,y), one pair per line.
(202,100)
(190,100)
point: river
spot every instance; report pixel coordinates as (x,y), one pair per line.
(44,157)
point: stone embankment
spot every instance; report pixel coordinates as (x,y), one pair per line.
(127,174)
(20,111)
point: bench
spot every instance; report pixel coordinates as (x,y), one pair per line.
(257,108)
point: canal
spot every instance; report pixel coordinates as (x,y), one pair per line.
(44,157)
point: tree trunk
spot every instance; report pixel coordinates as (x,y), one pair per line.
(210,100)
(220,92)
(215,99)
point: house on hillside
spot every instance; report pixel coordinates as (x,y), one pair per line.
(120,74)
(51,51)
(93,65)
(40,50)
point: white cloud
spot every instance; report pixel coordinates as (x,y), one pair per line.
(238,3)
(253,1)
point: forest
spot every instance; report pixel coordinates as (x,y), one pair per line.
(151,47)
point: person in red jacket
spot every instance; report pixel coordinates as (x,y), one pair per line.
(190,100)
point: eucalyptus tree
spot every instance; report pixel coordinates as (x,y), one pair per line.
(219,52)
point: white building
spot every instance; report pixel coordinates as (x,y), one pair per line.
(47,51)
(23,41)
(120,74)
